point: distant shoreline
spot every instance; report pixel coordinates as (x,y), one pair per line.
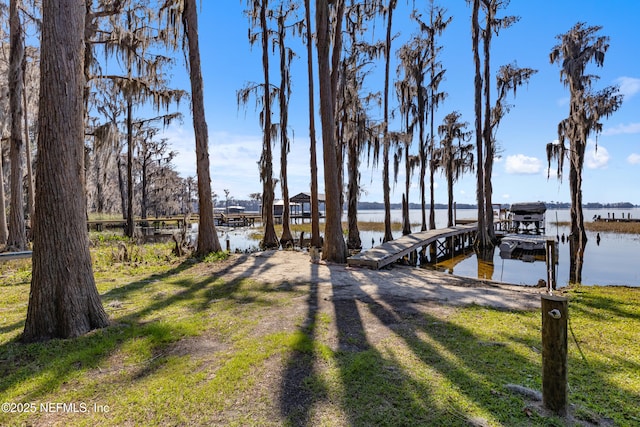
(251,206)
(550,206)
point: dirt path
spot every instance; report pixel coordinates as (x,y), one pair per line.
(340,282)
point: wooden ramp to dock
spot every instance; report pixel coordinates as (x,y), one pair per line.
(394,250)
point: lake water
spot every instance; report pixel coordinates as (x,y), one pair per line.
(612,262)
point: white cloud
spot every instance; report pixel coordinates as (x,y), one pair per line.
(629,86)
(181,139)
(623,129)
(634,159)
(520,164)
(596,157)
(233,159)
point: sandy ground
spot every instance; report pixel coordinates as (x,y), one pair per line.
(341,282)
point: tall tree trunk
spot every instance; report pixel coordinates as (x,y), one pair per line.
(100,173)
(438,25)
(315,206)
(64,301)
(450,196)
(489,149)
(123,188)
(336,56)
(130,228)
(423,192)
(17,237)
(482,237)
(207,236)
(424,154)
(334,248)
(406,222)
(578,236)
(353,163)
(27,148)
(432,172)
(432,168)
(143,190)
(286,239)
(4,232)
(270,240)
(386,188)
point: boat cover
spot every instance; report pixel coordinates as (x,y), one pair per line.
(529,207)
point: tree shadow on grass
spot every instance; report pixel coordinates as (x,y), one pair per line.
(376,388)
(467,362)
(592,385)
(600,307)
(454,386)
(39,369)
(604,366)
(454,355)
(12,327)
(296,395)
(302,386)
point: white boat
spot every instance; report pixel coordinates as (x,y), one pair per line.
(528,214)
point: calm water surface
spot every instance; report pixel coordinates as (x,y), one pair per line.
(613,262)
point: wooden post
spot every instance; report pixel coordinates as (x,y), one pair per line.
(550,258)
(554,353)
(455,213)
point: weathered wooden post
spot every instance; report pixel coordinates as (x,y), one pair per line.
(550,258)
(554,353)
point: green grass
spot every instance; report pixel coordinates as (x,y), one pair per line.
(188,346)
(606,227)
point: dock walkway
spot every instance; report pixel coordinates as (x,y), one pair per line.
(394,250)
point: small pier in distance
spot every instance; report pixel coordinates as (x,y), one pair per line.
(446,240)
(611,217)
(236,219)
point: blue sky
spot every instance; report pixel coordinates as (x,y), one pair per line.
(520,173)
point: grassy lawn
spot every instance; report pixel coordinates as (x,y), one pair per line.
(606,227)
(189,347)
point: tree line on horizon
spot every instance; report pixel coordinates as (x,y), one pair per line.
(84,116)
(254,205)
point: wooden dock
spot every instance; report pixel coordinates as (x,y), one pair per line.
(446,240)
(617,219)
(236,219)
(157,223)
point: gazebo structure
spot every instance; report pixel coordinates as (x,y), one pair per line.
(301,205)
